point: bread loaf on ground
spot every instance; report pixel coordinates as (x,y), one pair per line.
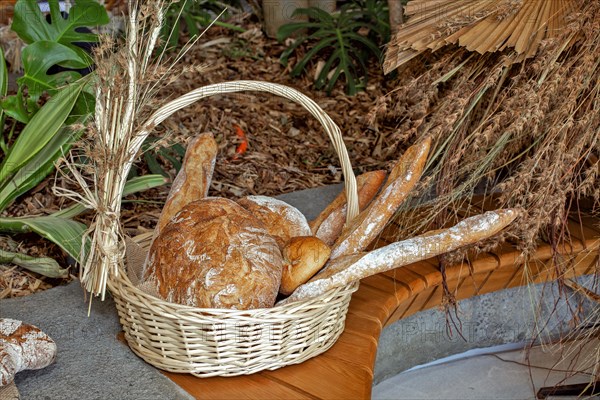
(303,256)
(343,270)
(329,224)
(215,254)
(193,180)
(22,347)
(282,220)
(370,222)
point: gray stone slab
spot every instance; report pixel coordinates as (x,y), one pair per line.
(312,201)
(91,362)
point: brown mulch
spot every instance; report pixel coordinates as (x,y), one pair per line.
(287,149)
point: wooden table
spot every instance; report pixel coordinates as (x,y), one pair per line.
(346,370)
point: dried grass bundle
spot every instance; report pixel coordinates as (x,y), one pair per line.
(128,76)
(529,131)
(481,25)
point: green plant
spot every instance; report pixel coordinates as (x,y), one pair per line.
(346,39)
(194,14)
(56,42)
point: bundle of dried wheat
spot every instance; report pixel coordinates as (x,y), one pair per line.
(128,77)
(530,130)
(478,25)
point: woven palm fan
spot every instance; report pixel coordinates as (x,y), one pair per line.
(481,25)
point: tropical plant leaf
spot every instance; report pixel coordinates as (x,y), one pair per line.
(31,24)
(41,265)
(37,59)
(134,185)
(39,131)
(339,39)
(3,91)
(38,167)
(66,233)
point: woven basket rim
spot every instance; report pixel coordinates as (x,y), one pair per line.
(122,280)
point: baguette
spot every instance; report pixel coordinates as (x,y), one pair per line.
(343,270)
(329,224)
(193,180)
(370,222)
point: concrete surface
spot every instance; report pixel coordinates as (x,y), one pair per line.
(501,317)
(505,375)
(91,364)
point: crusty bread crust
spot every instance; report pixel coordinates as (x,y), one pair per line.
(329,224)
(22,347)
(193,180)
(215,254)
(281,220)
(370,222)
(303,256)
(346,269)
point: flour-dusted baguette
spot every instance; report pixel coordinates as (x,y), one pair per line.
(329,224)
(343,270)
(281,220)
(215,254)
(193,180)
(370,222)
(23,347)
(303,256)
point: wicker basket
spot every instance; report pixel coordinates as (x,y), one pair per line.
(218,342)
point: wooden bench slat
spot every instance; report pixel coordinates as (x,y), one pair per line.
(427,272)
(326,378)
(253,386)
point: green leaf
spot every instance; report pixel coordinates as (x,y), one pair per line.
(66,233)
(14,107)
(31,25)
(38,167)
(318,47)
(37,58)
(39,131)
(336,37)
(3,88)
(41,265)
(133,185)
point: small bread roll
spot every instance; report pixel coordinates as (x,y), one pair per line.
(22,347)
(282,220)
(303,257)
(215,254)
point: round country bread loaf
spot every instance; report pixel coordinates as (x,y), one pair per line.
(23,346)
(215,254)
(282,220)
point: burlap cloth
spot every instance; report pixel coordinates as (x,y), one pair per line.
(9,392)
(135,258)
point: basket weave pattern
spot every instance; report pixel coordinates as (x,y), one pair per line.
(215,342)
(222,342)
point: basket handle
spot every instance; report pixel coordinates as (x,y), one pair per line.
(332,130)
